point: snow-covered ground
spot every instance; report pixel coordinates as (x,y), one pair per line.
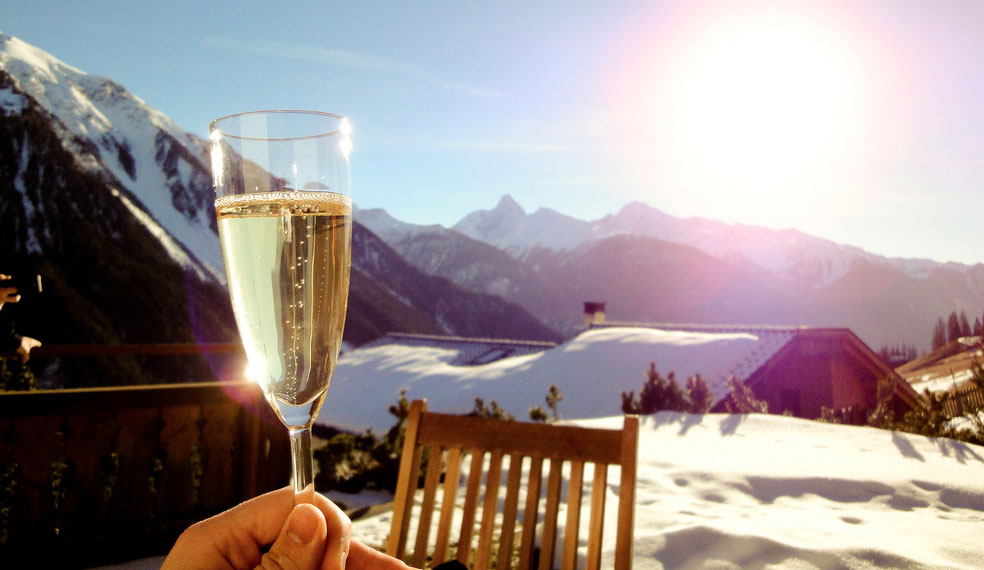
(714,491)
(727,491)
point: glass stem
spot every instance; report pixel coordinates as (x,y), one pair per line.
(303,462)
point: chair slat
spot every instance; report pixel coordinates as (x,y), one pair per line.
(458,436)
(409,464)
(471,504)
(568,558)
(626,495)
(434,468)
(509,509)
(599,488)
(549,538)
(451,477)
(530,512)
(487,530)
(530,439)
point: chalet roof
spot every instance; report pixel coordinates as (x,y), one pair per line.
(945,369)
(471,351)
(767,340)
(715,351)
(591,369)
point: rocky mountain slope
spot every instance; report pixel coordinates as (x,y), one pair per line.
(111,203)
(650,266)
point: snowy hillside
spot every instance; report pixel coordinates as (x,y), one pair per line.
(155,166)
(727,492)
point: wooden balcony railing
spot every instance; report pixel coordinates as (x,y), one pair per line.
(93,476)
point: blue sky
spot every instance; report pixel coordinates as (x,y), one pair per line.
(860,122)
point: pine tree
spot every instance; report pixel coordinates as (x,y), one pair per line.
(964,325)
(554,397)
(699,395)
(742,400)
(657,393)
(490,411)
(630,403)
(952,327)
(660,393)
(539,415)
(939,334)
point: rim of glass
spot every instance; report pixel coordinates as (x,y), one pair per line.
(213,126)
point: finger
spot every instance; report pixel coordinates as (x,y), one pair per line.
(362,557)
(234,536)
(339,529)
(301,543)
(265,529)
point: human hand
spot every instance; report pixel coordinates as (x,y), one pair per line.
(8,293)
(24,350)
(303,537)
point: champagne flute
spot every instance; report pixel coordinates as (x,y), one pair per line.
(284,212)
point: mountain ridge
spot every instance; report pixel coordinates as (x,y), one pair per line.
(112,204)
(804,279)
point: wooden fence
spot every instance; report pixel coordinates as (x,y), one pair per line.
(94,476)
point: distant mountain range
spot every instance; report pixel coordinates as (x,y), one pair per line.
(650,266)
(111,202)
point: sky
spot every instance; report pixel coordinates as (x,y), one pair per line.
(859,122)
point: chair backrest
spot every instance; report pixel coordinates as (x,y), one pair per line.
(443,441)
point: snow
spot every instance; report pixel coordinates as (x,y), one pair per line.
(173,249)
(722,491)
(10,102)
(715,490)
(613,359)
(730,491)
(98,109)
(389,228)
(788,254)
(509,227)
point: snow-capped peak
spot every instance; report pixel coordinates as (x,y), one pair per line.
(156,166)
(788,254)
(509,227)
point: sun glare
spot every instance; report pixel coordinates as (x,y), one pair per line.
(751,107)
(763,101)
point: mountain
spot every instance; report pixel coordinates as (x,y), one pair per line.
(111,202)
(650,266)
(467,262)
(457,310)
(120,264)
(509,227)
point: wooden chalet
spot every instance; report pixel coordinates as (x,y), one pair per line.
(803,370)
(948,370)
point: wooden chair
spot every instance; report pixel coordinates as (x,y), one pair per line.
(448,438)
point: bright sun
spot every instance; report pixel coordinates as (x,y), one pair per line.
(755,105)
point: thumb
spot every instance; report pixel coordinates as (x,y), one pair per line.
(301,543)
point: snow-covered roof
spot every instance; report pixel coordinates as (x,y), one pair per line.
(471,351)
(945,369)
(591,370)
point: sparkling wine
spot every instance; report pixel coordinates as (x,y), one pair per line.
(287,258)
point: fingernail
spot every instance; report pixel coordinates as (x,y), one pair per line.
(303,524)
(341,559)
